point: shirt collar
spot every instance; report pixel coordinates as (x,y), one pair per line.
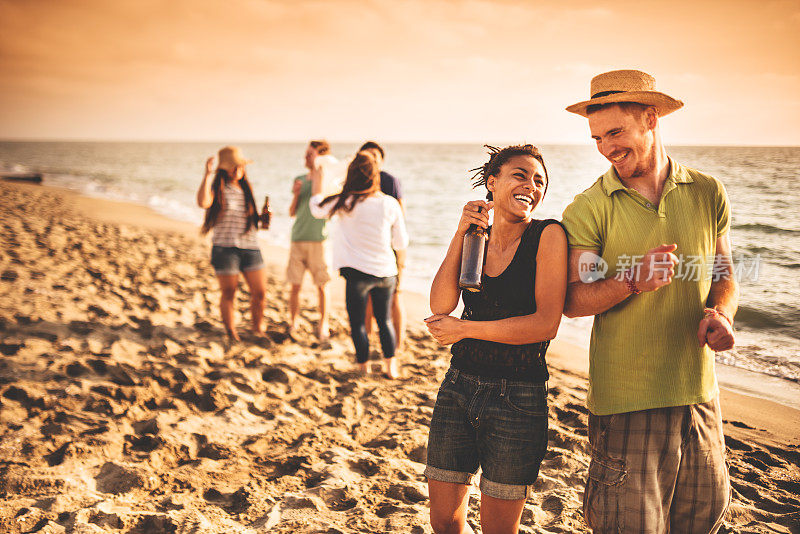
(677,175)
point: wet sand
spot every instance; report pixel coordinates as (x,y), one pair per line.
(123,410)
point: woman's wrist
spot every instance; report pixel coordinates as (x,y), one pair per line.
(467,328)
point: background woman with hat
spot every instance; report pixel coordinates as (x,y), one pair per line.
(231,212)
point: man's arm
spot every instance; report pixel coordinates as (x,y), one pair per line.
(716,329)
(584,299)
(314,203)
(296,187)
(592,298)
(316,176)
(398,193)
(724,293)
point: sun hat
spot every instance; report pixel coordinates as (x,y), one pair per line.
(626,86)
(231,156)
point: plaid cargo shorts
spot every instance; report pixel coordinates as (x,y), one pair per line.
(657,471)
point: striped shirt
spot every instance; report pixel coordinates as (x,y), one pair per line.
(644,352)
(232,222)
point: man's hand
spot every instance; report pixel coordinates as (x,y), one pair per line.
(656,268)
(210,165)
(716,332)
(313,161)
(446,329)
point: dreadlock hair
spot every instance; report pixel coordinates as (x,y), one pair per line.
(218,204)
(363,179)
(499,157)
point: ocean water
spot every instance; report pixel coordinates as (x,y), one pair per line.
(761,183)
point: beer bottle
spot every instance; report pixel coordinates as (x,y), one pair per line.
(472,258)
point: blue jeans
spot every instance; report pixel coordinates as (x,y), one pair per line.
(358,286)
(498,425)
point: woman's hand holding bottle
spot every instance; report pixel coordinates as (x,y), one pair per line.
(474,212)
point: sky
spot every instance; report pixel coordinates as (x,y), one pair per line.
(390,70)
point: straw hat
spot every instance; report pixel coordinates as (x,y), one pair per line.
(626,86)
(231,156)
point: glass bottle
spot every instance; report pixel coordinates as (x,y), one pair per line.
(472,258)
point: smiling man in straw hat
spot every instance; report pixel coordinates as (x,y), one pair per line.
(650,259)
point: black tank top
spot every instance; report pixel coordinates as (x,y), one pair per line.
(510,294)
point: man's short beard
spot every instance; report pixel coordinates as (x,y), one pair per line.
(648,164)
(638,172)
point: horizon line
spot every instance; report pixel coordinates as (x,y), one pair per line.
(348,141)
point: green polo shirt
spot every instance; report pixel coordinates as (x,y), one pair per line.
(644,351)
(306,227)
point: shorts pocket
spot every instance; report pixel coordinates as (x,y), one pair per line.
(250,260)
(449,378)
(601,498)
(224,260)
(216,256)
(607,471)
(527,400)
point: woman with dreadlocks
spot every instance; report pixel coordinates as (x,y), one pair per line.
(491,409)
(370,228)
(231,213)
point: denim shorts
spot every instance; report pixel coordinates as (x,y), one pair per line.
(496,424)
(232,260)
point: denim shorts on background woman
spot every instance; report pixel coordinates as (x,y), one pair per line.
(233,260)
(496,424)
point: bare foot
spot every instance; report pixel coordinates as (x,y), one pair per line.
(261,338)
(364,368)
(292,332)
(233,335)
(324,337)
(390,368)
(231,339)
(324,333)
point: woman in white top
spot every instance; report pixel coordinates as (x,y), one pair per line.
(231,212)
(370,228)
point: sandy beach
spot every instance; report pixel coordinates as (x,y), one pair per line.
(122,409)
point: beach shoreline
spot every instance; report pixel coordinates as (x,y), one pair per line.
(105,389)
(765,238)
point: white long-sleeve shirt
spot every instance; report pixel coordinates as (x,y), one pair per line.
(365,237)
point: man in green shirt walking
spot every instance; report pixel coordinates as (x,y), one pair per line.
(650,259)
(308,251)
